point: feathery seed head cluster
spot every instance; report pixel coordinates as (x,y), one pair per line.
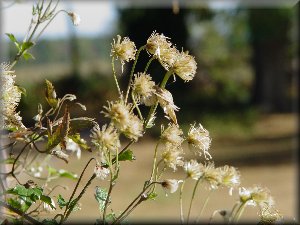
(143,88)
(230,177)
(211,175)
(157,43)
(165,100)
(125,50)
(193,169)
(172,135)
(106,138)
(124,120)
(199,140)
(269,215)
(10,96)
(172,157)
(185,66)
(256,196)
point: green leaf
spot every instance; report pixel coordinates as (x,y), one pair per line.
(12,37)
(100,196)
(50,95)
(52,171)
(152,196)
(61,201)
(26,45)
(78,140)
(60,134)
(126,155)
(27,56)
(47,200)
(81,123)
(64,173)
(14,203)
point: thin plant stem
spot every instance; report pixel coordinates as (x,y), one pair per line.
(180,201)
(132,71)
(77,184)
(148,64)
(204,206)
(154,161)
(136,106)
(121,217)
(239,212)
(192,199)
(114,74)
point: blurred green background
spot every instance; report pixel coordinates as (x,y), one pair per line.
(245,91)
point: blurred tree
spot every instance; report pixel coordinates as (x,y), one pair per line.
(269,30)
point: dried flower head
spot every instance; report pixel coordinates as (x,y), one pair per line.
(185,66)
(124,120)
(125,49)
(10,96)
(170,185)
(256,196)
(143,88)
(101,172)
(118,112)
(199,140)
(165,100)
(106,138)
(210,174)
(230,177)
(172,157)
(172,135)
(168,57)
(192,169)
(75,18)
(269,215)
(134,128)
(157,43)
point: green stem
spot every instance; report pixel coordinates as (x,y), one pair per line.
(148,64)
(114,74)
(136,106)
(132,71)
(239,212)
(124,214)
(154,162)
(204,206)
(181,203)
(192,199)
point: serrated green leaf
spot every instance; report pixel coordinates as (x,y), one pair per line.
(61,201)
(26,45)
(64,173)
(14,203)
(78,140)
(47,200)
(126,155)
(50,95)
(27,56)
(100,196)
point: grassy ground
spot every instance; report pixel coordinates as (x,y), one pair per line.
(266,158)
